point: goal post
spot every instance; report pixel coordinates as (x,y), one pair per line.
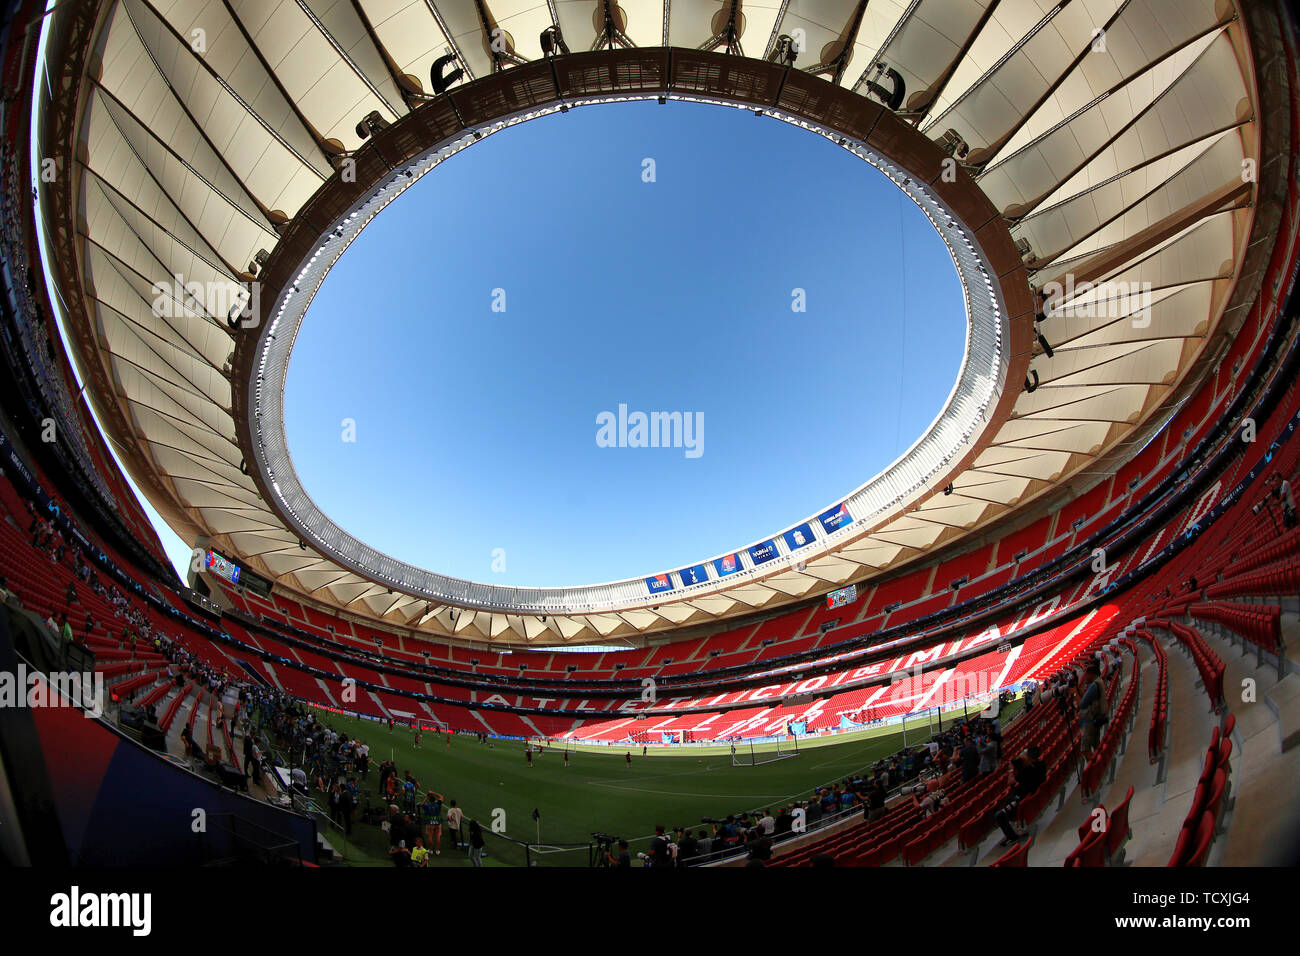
(756,752)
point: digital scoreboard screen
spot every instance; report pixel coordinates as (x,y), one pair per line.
(841,597)
(222,567)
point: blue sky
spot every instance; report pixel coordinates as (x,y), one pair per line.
(476,430)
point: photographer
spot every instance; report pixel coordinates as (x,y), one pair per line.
(687,847)
(661,849)
(623,860)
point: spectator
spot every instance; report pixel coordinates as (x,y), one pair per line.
(1288,504)
(1092,709)
(784,822)
(813,812)
(454,816)
(660,848)
(476,843)
(970,760)
(988,751)
(1029,775)
(419,855)
(876,802)
(759,847)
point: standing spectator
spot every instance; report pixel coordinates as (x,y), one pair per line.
(970,760)
(475,843)
(687,846)
(623,861)
(419,856)
(660,848)
(431,815)
(347,805)
(250,762)
(876,802)
(1029,776)
(399,854)
(454,816)
(988,751)
(813,812)
(760,849)
(1092,709)
(1288,503)
(784,822)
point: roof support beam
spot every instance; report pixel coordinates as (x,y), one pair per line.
(1233,193)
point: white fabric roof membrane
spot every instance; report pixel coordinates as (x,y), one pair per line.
(1086,121)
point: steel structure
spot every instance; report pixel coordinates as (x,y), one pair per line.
(1089,147)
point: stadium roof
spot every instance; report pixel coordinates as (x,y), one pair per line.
(1057,144)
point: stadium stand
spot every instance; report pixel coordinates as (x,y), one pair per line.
(1190,529)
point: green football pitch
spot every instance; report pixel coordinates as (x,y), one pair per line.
(598,791)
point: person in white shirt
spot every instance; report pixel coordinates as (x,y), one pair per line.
(766,823)
(454,817)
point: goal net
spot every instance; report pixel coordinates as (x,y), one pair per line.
(754,753)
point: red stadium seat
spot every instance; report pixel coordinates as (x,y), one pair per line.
(1017,856)
(1091,852)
